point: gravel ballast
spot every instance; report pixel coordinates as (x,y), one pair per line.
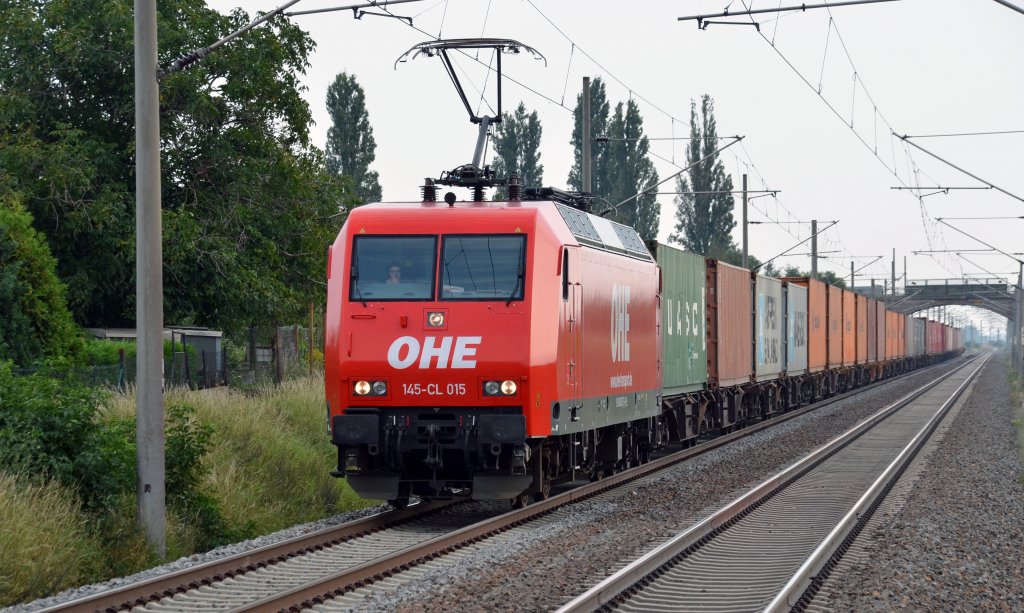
(540,569)
(958,541)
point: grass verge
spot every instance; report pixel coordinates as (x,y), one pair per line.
(265,464)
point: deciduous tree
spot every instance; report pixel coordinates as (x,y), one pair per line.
(350,144)
(248,205)
(704,217)
(517,148)
(631,172)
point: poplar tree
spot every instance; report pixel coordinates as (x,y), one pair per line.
(704,217)
(630,172)
(517,149)
(599,118)
(621,163)
(350,144)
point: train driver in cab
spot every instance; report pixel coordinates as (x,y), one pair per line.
(394,273)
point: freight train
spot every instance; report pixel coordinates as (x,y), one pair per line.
(497,349)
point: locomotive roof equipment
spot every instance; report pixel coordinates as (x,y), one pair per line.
(472,175)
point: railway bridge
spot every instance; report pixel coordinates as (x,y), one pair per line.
(995,295)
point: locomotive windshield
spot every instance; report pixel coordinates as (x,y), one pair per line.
(393,268)
(479,267)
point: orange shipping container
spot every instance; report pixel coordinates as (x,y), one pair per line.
(817,321)
(849,328)
(882,330)
(862,329)
(873,328)
(901,335)
(730,321)
(891,335)
(835,326)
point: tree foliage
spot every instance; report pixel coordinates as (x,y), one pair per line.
(248,206)
(621,165)
(517,149)
(631,172)
(600,112)
(827,276)
(350,144)
(34,317)
(704,218)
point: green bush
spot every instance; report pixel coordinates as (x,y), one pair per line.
(107,352)
(49,430)
(36,323)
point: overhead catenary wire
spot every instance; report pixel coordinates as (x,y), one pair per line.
(574,47)
(907,140)
(850,124)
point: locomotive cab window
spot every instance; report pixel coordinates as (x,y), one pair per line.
(483,267)
(392,268)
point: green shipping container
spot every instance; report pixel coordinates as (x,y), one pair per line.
(683,320)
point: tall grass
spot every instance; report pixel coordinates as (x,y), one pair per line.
(267,467)
(270,457)
(45,540)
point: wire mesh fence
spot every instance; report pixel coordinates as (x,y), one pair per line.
(260,355)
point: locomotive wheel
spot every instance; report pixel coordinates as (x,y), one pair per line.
(520,501)
(544,493)
(402,500)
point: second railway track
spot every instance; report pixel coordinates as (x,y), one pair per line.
(770,548)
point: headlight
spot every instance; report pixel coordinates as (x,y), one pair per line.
(370,388)
(435,319)
(500,388)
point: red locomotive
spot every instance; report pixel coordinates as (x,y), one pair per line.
(499,347)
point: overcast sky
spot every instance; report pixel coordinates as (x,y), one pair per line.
(918,67)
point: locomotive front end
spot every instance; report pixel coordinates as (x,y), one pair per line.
(427,351)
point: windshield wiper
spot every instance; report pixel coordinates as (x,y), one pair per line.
(519,277)
(353,279)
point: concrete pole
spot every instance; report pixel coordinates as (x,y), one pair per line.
(1018,326)
(814,248)
(745,220)
(586,136)
(149,283)
(851,275)
(893,294)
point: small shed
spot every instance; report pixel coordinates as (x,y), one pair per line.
(204,342)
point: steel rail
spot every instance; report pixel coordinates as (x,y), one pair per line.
(136,594)
(181,581)
(638,572)
(817,567)
(337,584)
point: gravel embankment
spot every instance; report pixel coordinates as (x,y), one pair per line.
(958,542)
(544,566)
(195,560)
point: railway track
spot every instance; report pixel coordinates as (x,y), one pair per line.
(313,569)
(772,548)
